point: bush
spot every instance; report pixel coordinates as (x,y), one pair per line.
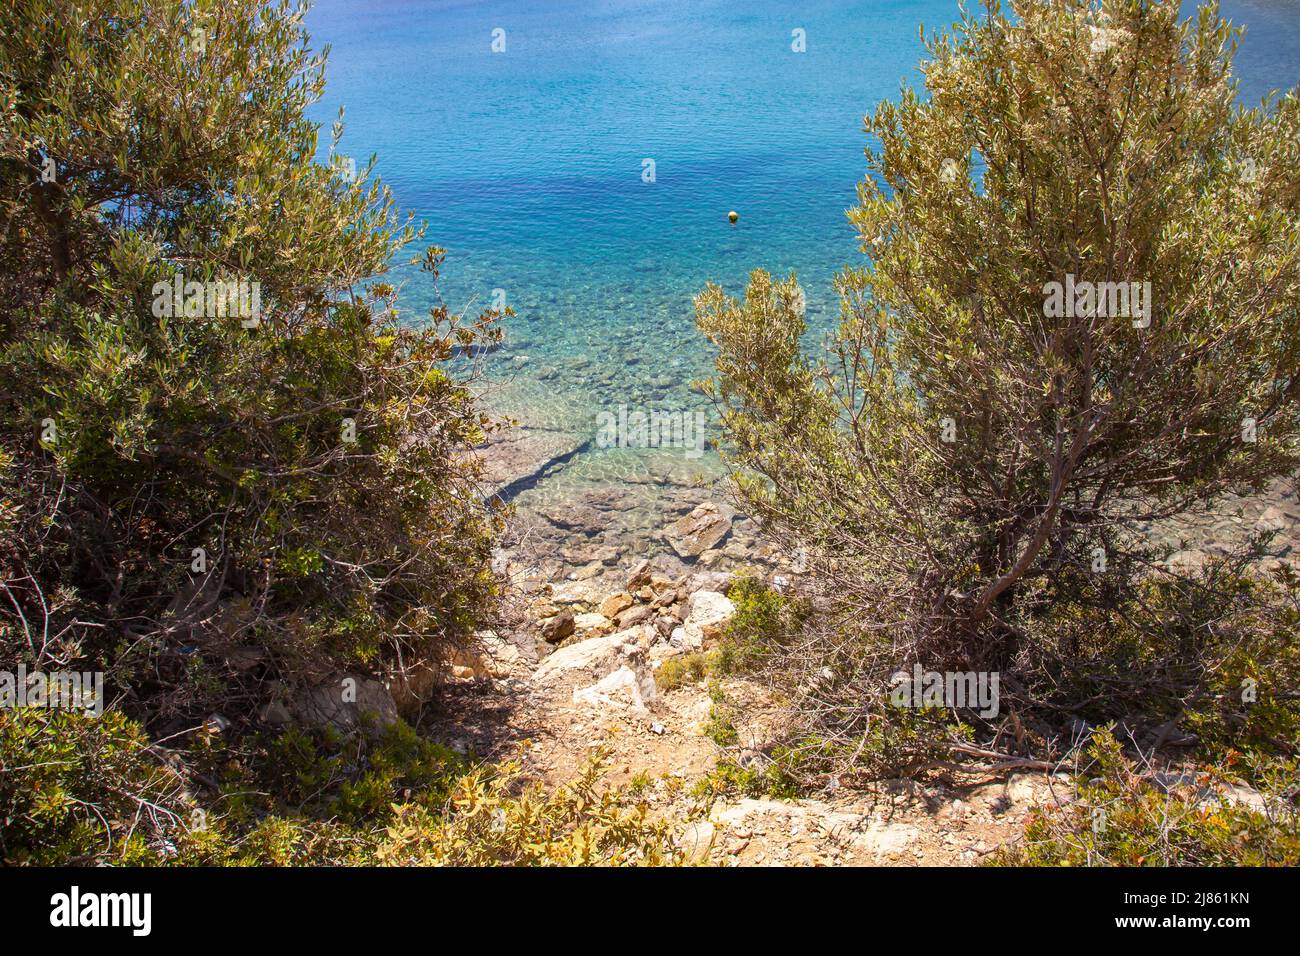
(181,485)
(321,774)
(577,825)
(80,790)
(1208,665)
(765,622)
(74,789)
(973,462)
(685,669)
(1120,816)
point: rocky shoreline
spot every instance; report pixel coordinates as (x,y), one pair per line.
(603,588)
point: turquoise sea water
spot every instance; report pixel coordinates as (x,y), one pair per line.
(528,164)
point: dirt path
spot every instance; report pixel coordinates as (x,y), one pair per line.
(662,749)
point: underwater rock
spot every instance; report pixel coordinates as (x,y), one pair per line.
(700,530)
(515,458)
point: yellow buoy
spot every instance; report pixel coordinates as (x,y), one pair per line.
(733,215)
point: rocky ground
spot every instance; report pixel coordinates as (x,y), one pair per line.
(1218,530)
(553,706)
(596,612)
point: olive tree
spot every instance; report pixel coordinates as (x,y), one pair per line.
(1079,315)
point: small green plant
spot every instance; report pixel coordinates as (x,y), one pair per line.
(354,780)
(726,779)
(75,789)
(764,622)
(769,778)
(720,727)
(1122,817)
(577,825)
(686,669)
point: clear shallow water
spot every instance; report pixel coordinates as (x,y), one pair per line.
(527,165)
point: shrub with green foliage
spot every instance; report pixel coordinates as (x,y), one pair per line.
(967,470)
(180,484)
(765,622)
(74,789)
(81,790)
(215,496)
(686,669)
(1208,664)
(576,825)
(1120,816)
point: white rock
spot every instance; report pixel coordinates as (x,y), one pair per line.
(697,839)
(888,838)
(709,611)
(525,645)
(1230,794)
(683,640)
(1240,795)
(707,614)
(1274,519)
(1024,788)
(592,622)
(708,581)
(621,688)
(499,656)
(590,660)
(343,702)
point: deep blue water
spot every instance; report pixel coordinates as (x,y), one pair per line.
(528,164)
